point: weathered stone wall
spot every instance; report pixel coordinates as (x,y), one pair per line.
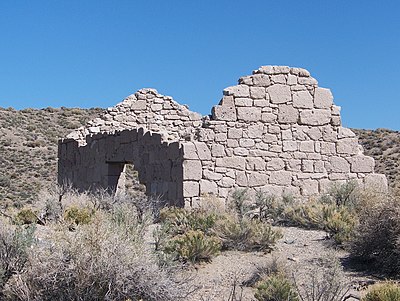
(279,132)
(99,164)
(145,109)
(276,131)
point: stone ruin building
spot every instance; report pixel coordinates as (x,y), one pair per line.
(276,131)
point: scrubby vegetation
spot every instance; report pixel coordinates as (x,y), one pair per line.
(199,234)
(102,257)
(387,291)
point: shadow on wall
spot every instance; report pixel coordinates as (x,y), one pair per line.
(100,164)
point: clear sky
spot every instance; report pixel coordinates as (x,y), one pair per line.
(84,53)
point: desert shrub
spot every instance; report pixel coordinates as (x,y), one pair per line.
(14,242)
(26,216)
(180,220)
(276,288)
(387,291)
(238,202)
(325,283)
(193,246)
(246,234)
(78,216)
(102,260)
(377,237)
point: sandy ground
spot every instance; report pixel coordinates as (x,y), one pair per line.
(302,253)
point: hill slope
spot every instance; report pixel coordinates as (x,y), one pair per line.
(28,149)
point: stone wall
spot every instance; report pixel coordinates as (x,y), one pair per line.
(100,163)
(276,131)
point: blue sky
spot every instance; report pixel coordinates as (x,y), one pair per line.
(94,53)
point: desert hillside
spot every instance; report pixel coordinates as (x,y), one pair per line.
(28,149)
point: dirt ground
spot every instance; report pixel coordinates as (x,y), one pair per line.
(301,252)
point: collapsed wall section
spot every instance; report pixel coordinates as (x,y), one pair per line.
(145,109)
(99,164)
(278,132)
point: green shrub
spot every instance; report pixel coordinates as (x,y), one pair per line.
(26,216)
(78,216)
(181,220)
(339,221)
(246,234)
(193,246)
(275,288)
(388,291)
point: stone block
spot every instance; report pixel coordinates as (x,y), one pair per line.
(203,151)
(255,163)
(307,166)
(191,189)
(339,164)
(323,98)
(246,80)
(257,92)
(192,170)
(294,165)
(227,113)
(218,150)
(234,162)
(208,187)
(307,146)
(234,133)
(278,79)
(300,72)
(279,93)
(220,137)
(314,133)
(243,102)
(269,138)
(241,178)
(290,146)
(249,114)
(274,69)
(210,175)
(241,151)
(287,114)
(376,182)
(268,117)
(345,133)
(303,100)
(315,117)
(275,164)
(255,131)
(309,187)
(189,151)
(260,103)
(292,80)
(237,91)
(281,178)
(139,105)
(226,182)
(246,142)
(287,135)
(256,179)
(206,134)
(362,164)
(261,80)
(347,146)
(310,81)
